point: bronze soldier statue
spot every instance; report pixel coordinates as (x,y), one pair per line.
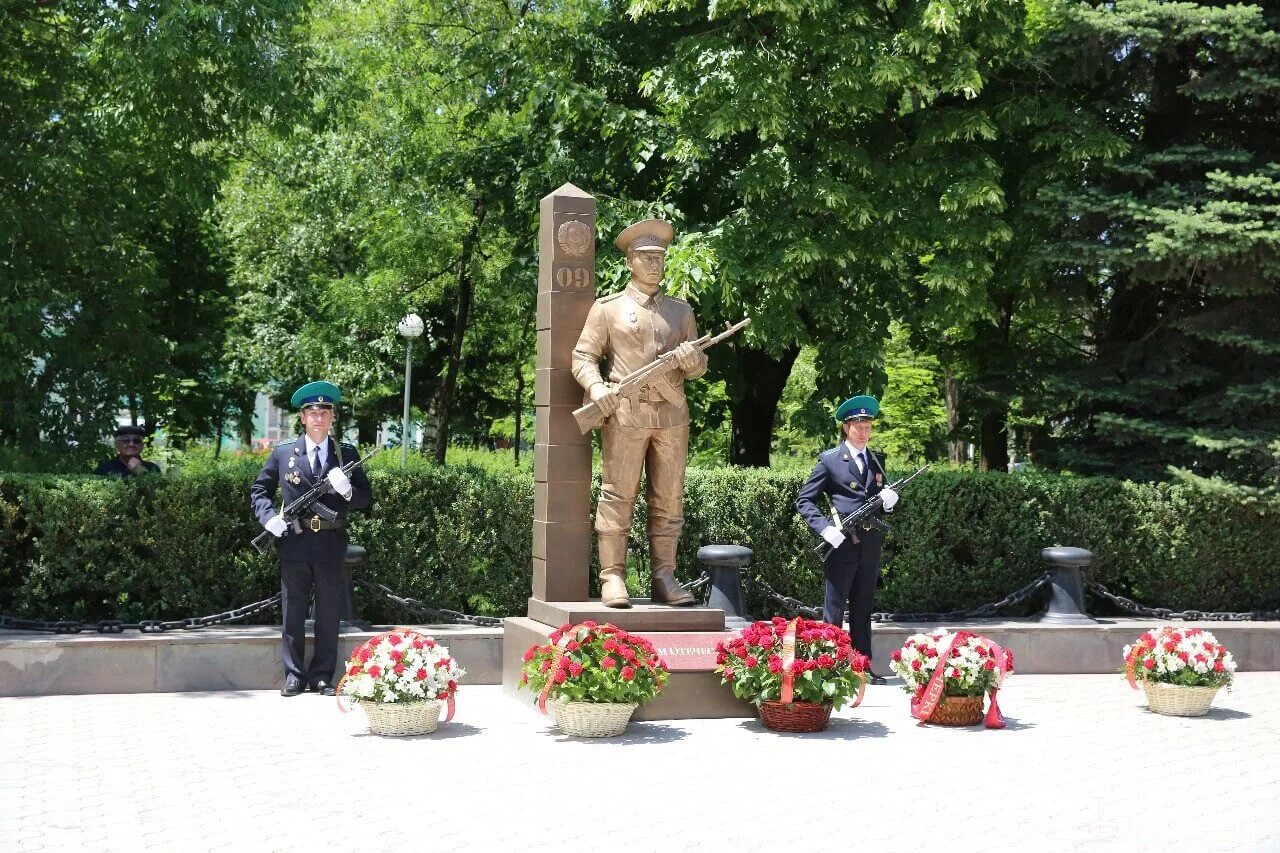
(646,430)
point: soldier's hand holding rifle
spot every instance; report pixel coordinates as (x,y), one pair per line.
(605,396)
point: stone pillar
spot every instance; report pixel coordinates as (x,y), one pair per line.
(562,454)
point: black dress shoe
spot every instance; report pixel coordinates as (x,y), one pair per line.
(324,688)
(878,679)
(292,686)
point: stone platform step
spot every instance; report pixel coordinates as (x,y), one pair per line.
(241,657)
(248,657)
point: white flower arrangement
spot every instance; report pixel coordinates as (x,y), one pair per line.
(1188,657)
(972,666)
(403,665)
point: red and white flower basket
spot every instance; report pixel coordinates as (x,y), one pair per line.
(402,680)
(1181,669)
(947,674)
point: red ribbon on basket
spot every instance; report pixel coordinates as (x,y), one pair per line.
(373,641)
(788,659)
(925,702)
(556,657)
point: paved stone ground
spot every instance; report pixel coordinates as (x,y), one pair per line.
(1082,766)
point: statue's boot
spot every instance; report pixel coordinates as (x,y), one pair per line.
(613,570)
(663,588)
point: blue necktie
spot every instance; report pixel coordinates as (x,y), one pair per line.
(315,464)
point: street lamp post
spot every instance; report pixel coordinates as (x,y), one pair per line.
(410,327)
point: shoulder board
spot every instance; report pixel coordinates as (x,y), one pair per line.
(830,452)
(611,296)
(284,442)
(676,299)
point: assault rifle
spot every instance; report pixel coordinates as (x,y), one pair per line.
(863,517)
(309,502)
(590,417)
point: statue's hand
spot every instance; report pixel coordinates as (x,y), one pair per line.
(605,397)
(688,357)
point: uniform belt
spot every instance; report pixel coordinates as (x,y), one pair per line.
(315,524)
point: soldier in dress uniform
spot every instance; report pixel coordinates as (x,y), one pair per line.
(649,433)
(312,551)
(128,461)
(850,474)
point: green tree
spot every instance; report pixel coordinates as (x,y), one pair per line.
(1175,244)
(830,156)
(116,121)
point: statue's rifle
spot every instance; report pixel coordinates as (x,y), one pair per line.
(308,502)
(590,417)
(864,516)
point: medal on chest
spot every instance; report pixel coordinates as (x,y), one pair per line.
(293,477)
(633,318)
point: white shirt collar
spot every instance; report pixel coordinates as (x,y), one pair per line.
(855,451)
(311,448)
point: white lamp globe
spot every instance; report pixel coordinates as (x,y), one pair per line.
(411,326)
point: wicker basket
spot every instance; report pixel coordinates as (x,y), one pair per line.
(795,716)
(592,719)
(957,711)
(400,719)
(1174,700)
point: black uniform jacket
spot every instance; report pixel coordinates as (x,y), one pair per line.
(836,473)
(289,469)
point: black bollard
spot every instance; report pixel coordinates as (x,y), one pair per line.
(356,557)
(355,560)
(725,564)
(1066,587)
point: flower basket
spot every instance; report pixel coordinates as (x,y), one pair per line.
(401,719)
(1181,669)
(592,719)
(794,671)
(594,675)
(957,711)
(795,716)
(402,679)
(947,675)
(1174,701)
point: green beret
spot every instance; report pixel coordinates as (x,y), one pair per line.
(316,394)
(860,408)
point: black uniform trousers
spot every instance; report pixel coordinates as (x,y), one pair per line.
(851,572)
(326,570)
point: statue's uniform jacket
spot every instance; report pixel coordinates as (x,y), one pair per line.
(651,430)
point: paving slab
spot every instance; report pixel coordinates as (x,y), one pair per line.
(1082,766)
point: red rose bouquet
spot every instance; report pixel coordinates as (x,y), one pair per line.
(800,660)
(594,663)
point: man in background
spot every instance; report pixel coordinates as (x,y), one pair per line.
(128,461)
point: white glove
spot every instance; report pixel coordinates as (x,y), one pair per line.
(889,496)
(275,526)
(338,479)
(833,536)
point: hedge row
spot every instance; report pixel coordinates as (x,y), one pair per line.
(459,537)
